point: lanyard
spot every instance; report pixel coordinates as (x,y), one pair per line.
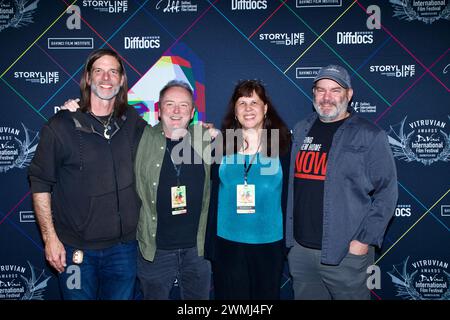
(247,169)
(176,167)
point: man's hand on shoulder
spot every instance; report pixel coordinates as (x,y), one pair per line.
(71,105)
(213,132)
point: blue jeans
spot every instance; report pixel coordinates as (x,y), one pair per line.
(192,272)
(106,274)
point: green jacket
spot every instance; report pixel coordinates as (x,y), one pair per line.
(148,165)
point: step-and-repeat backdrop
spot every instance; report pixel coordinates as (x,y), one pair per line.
(397,52)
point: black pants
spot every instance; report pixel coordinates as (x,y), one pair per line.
(247,271)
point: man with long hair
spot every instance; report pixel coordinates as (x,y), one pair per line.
(84,188)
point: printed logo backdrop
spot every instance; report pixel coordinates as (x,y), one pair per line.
(397,52)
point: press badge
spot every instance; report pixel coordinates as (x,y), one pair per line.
(245,198)
(179,201)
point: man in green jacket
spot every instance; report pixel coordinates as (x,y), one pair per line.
(172,178)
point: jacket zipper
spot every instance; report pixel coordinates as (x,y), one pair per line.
(116,190)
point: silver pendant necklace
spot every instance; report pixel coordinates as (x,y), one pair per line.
(106,127)
(105,124)
(105,133)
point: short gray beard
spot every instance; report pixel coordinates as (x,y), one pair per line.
(331,117)
(95,90)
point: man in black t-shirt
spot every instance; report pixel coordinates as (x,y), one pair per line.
(172,177)
(342,194)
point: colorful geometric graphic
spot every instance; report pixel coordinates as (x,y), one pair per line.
(144,94)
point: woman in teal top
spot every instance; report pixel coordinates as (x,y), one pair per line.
(268,220)
(248,198)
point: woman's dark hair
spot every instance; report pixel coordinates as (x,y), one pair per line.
(272,120)
(121,101)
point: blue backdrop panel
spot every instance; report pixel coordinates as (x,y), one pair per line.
(397,52)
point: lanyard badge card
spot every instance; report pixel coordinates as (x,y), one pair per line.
(246,193)
(178,193)
(178,199)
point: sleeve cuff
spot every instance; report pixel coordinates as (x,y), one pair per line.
(38,186)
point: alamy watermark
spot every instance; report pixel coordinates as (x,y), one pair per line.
(215,149)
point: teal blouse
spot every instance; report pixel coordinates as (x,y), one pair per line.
(266,224)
